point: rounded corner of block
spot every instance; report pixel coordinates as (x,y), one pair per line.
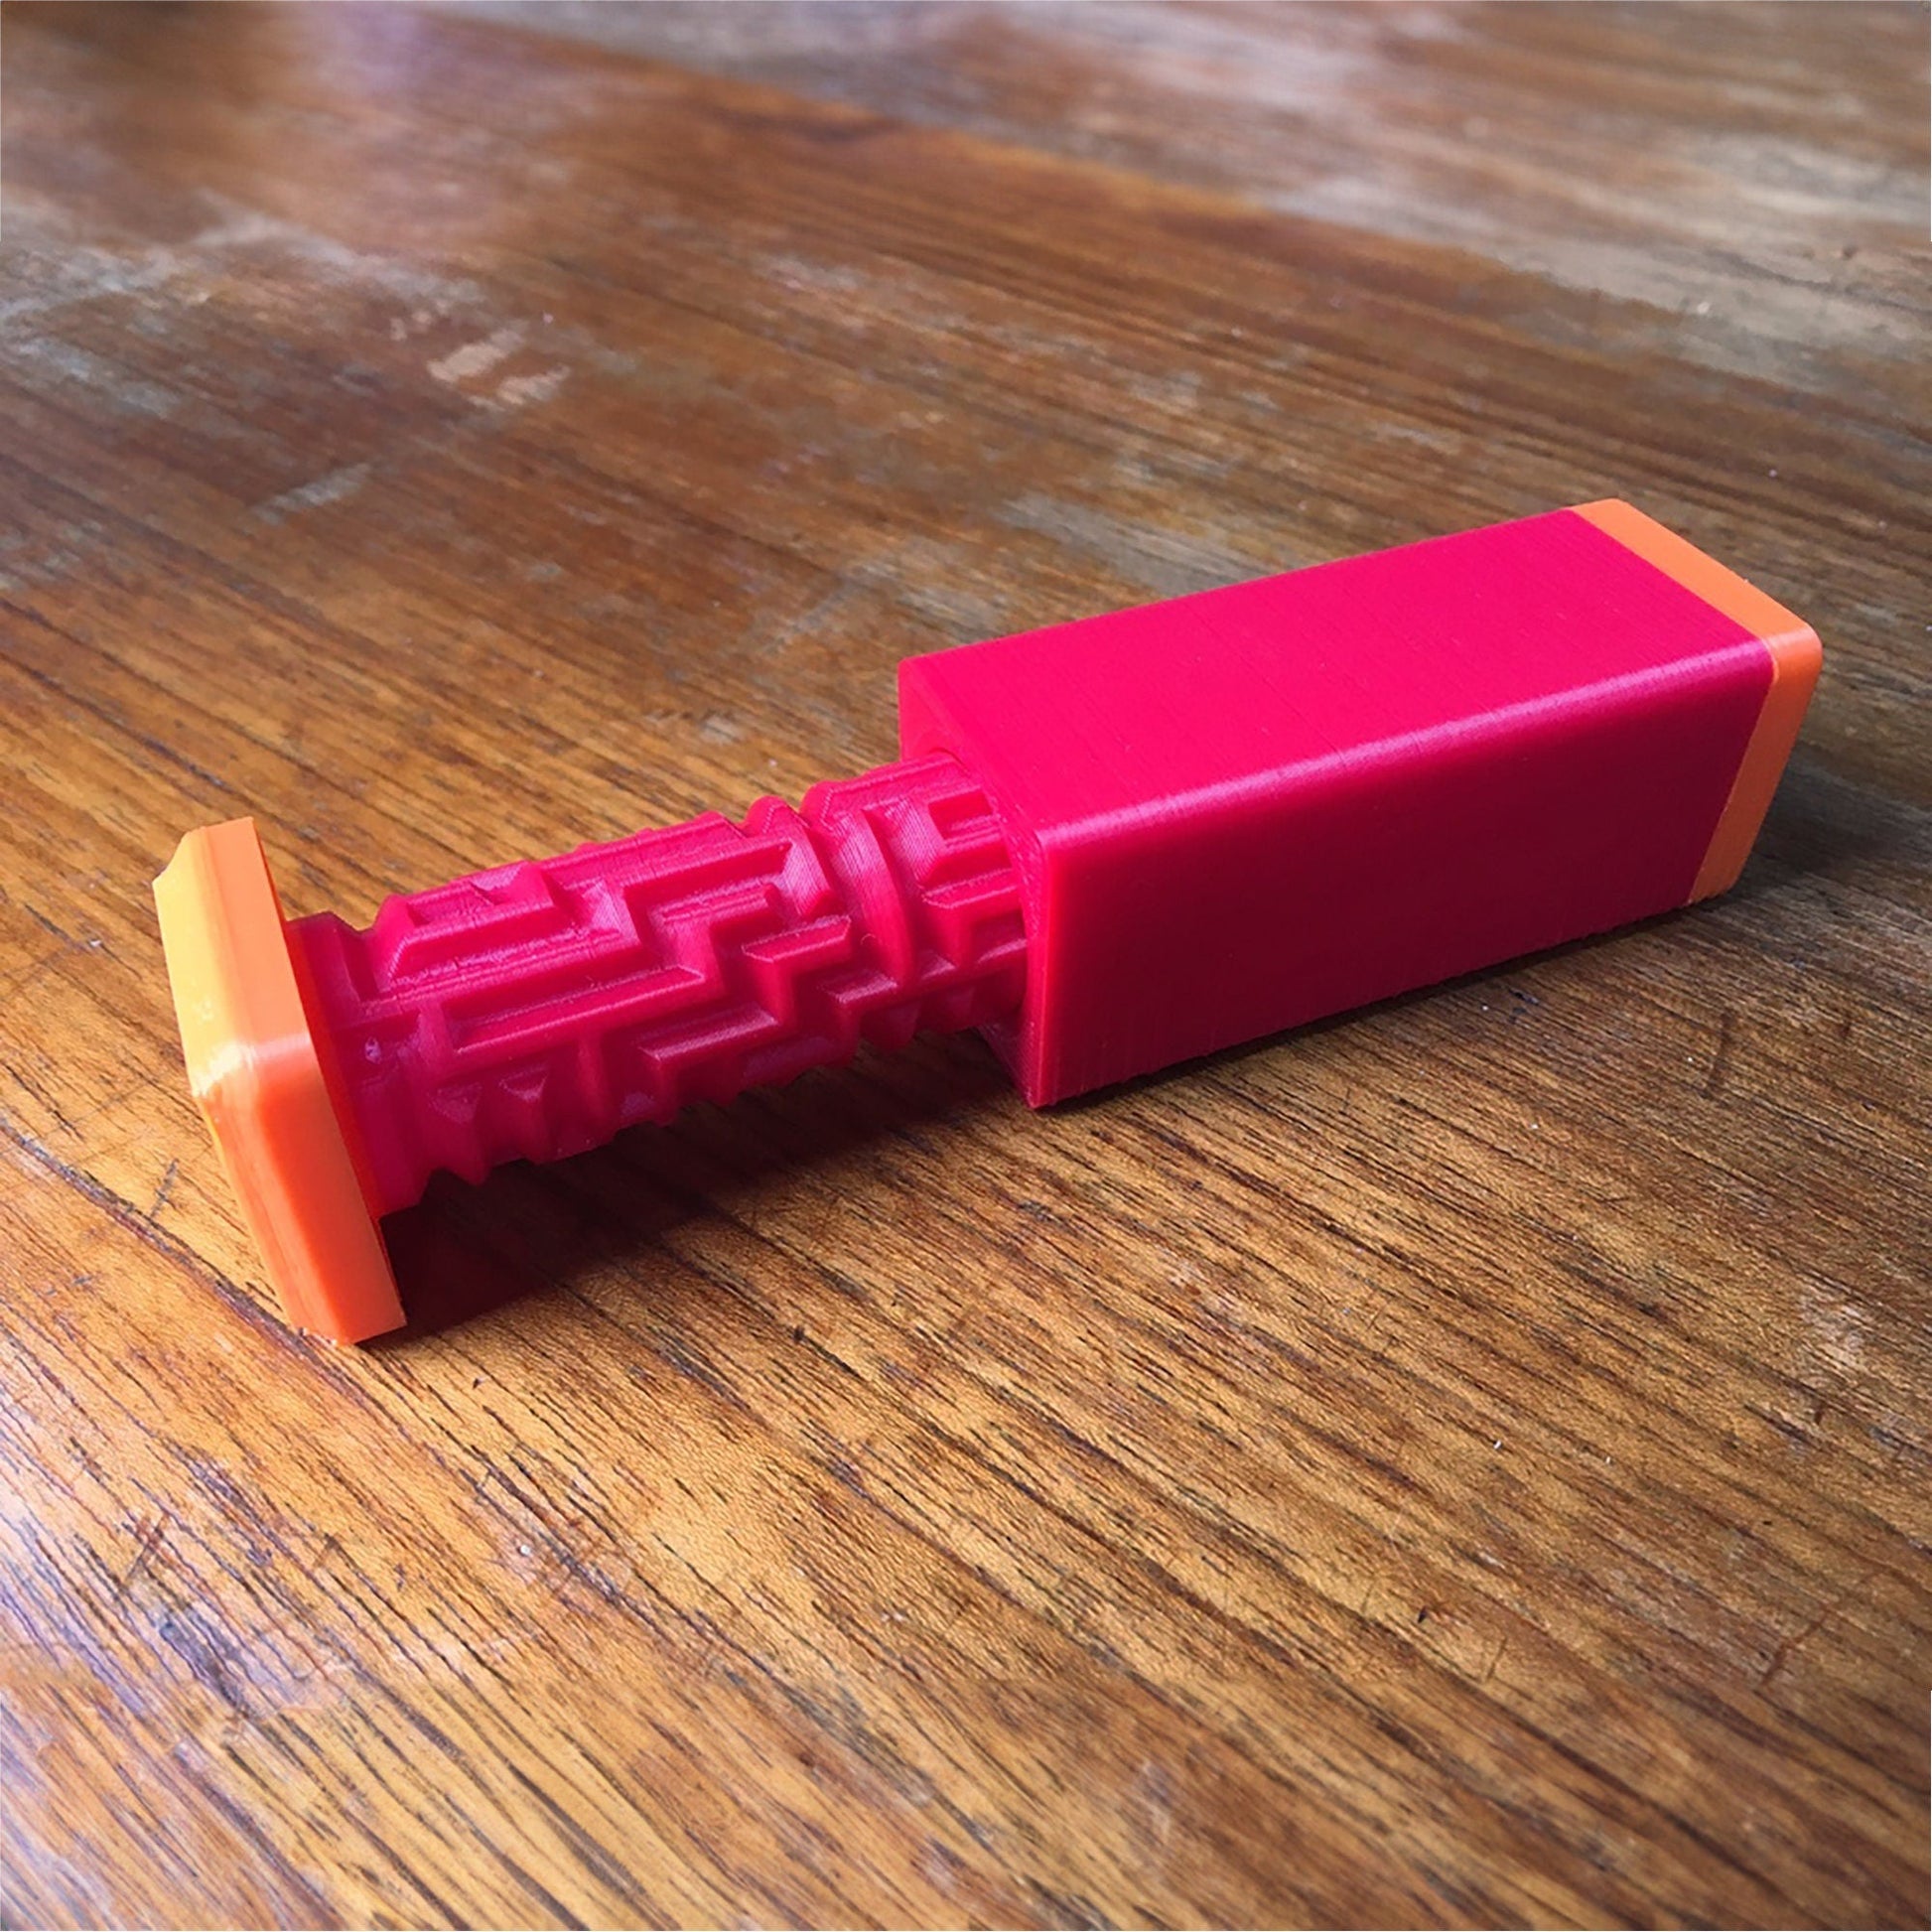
(1800,656)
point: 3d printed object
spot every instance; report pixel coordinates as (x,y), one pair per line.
(1112,845)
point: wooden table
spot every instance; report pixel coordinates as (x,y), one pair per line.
(1468,1462)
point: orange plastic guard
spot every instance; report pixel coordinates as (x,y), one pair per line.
(1795,654)
(253,1067)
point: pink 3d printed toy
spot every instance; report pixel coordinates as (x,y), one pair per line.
(1112,845)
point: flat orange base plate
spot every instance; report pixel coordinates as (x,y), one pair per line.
(254,1069)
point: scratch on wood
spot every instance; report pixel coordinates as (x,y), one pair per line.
(1788,1647)
(162,1192)
(150,1542)
(333,488)
(1713,1082)
(476,358)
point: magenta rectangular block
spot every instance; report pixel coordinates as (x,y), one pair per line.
(1247,809)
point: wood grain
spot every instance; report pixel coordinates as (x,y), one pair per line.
(1463,1463)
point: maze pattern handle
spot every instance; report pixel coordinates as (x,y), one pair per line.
(533,1011)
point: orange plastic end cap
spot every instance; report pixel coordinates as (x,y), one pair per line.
(1795,659)
(255,1073)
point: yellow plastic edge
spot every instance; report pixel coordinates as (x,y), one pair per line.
(254,1071)
(1796,655)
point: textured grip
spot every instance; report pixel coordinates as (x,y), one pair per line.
(533,1011)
